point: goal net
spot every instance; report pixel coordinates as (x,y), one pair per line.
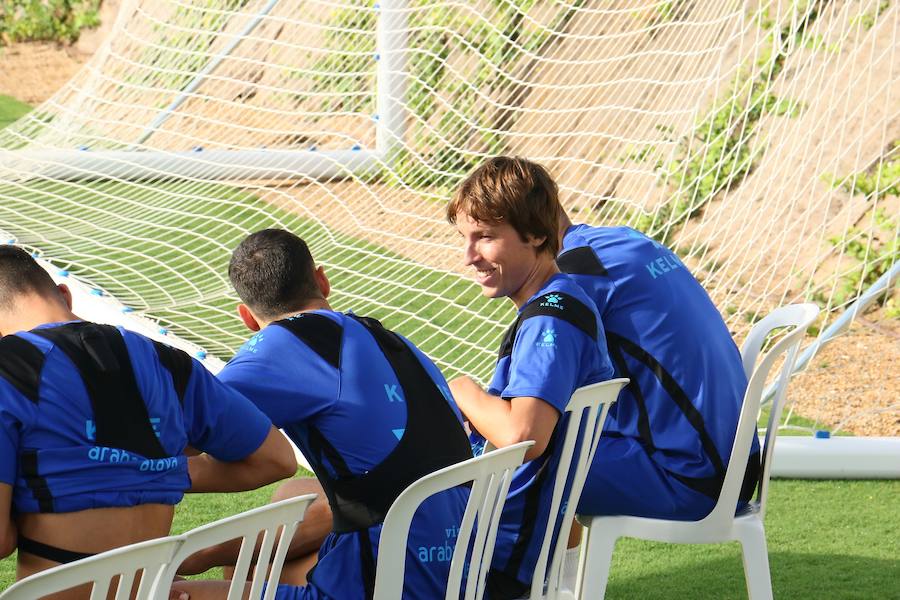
(759,139)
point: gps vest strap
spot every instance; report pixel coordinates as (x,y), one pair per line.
(101,358)
(433,437)
(21,364)
(49,552)
(178,364)
(553,304)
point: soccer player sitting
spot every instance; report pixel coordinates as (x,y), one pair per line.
(94,424)
(667,440)
(370,411)
(507,213)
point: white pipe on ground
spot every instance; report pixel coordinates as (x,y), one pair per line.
(851,457)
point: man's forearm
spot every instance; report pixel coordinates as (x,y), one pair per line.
(489,414)
(506,422)
(272,461)
(211,475)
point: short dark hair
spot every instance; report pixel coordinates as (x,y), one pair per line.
(21,274)
(511,190)
(272,272)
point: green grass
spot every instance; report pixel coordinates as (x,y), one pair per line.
(827,539)
(164,247)
(10,110)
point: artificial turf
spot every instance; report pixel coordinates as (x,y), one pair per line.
(827,539)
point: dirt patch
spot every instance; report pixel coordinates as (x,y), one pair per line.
(852,384)
(33,72)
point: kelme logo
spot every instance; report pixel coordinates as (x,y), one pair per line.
(251,344)
(552,301)
(548,339)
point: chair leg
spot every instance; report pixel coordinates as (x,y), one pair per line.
(756,562)
(595,562)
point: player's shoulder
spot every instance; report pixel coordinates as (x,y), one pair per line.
(561,298)
(287,336)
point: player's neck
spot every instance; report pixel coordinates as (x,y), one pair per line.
(545,268)
(314,304)
(32,312)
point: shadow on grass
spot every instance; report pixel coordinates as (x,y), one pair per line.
(794,575)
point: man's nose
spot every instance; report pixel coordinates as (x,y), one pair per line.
(471,254)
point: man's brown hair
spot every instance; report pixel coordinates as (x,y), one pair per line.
(21,274)
(511,190)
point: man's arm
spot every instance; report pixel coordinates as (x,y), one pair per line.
(7,527)
(272,461)
(503,422)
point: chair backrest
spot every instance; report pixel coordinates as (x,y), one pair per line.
(266,520)
(587,411)
(151,557)
(796,319)
(490,475)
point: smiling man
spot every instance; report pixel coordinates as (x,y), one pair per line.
(507,213)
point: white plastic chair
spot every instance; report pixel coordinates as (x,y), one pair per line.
(587,408)
(490,475)
(283,515)
(151,557)
(721,525)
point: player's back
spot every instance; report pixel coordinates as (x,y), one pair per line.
(100,461)
(664,333)
(323,377)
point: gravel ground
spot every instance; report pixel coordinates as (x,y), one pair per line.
(853,384)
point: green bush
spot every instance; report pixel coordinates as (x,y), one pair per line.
(46,20)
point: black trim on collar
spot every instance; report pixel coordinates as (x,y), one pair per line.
(581,261)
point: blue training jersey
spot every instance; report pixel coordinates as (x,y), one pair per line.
(48,450)
(346,419)
(665,334)
(550,358)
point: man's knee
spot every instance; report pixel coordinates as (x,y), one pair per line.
(299,487)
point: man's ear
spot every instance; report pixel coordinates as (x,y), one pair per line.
(536,241)
(66,294)
(322,282)
(247,317)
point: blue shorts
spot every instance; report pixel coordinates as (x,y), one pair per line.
(296,592)
(623,480)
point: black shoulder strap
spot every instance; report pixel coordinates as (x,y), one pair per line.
(433,439)
(580,261)
(553,304)
(320,333)
(178,364)
(101,357)
(21,363)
